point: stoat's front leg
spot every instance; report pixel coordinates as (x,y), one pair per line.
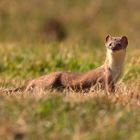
(109,84)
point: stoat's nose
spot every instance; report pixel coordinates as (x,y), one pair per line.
(117,47)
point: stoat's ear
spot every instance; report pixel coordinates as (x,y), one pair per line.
(124,40)
(108,38)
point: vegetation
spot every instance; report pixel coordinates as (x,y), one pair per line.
(26,53)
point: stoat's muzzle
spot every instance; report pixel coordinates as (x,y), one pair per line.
(117,47)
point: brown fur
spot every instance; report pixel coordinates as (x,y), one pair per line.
(106,75)
(67,80)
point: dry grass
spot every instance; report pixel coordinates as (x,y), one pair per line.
(66,115)
(69,115)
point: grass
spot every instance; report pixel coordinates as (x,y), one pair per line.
(65,115)
(26,54)
(53,116)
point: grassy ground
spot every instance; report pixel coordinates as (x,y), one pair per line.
(66,115)
(25,54)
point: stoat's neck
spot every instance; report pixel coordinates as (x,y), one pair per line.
(115,61)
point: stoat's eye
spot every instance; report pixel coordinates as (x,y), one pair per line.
(110,44)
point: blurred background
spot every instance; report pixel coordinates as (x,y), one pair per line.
(66,20)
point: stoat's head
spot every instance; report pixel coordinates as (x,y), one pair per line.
(115,44)
(116,50)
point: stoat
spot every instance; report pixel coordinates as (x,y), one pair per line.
(106,75)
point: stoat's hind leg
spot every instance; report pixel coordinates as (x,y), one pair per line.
(44,82)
